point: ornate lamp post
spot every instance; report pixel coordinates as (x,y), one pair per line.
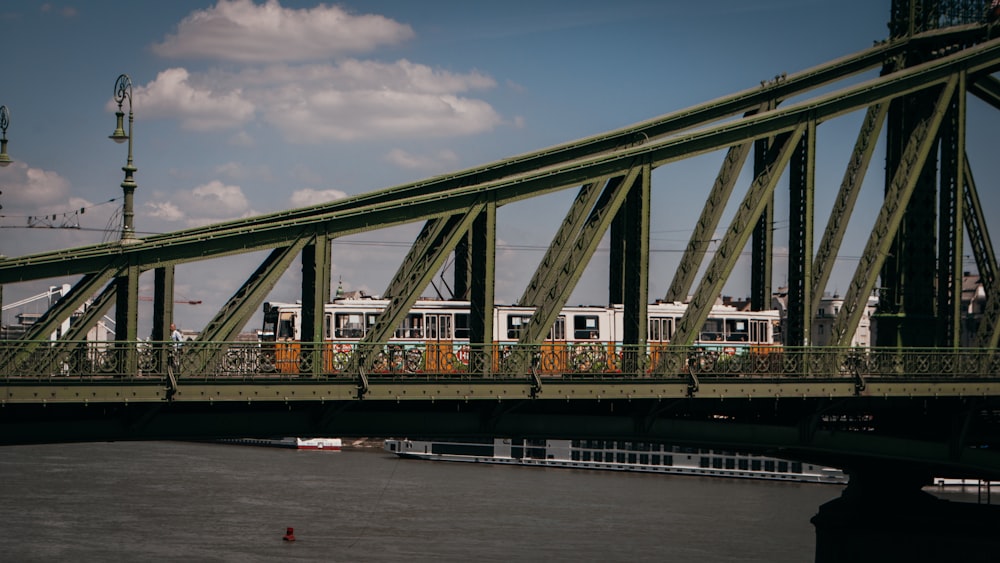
(4,122)
(123,91)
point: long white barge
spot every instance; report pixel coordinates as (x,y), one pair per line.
(611,455)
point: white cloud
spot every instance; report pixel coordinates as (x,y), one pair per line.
(240,30)
(25,188)
(368,100)
(164,210)
(199,106)
(442,159)
(309,197)
(209,203)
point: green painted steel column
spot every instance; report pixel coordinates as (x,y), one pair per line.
(802,176)
(762,243)
(482,288)
(127,318)
(163,303)
(950,221)
(315,295)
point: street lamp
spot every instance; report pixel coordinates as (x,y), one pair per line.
(4,122)
(123,91)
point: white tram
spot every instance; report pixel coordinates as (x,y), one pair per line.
(434,335)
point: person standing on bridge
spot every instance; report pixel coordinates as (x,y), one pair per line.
(175,334)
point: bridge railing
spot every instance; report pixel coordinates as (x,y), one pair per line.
(449,360)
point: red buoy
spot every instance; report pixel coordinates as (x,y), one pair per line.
(289,534)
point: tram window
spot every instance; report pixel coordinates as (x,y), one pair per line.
(411,327)
(586,327)
(443,326)
(712,330)
(654,330)
(349,325)
(432,327)
(737,330)
(462,326)
(558,331)
(516,324)
(327,326)
(286,325)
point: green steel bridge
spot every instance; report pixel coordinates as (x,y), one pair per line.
(917,403)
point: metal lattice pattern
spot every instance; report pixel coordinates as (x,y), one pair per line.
(448,360)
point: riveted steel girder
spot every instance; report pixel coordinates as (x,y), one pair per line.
(950,236)
(228,321)
(802,187)
(630,234)
(734,241)
(163,303)
(315,294)
(482,288)
(58,313)
(521,177)
(554,294)
(711,214)
(921,142)
(850,187)
(988,334)
(562,242)
(127,305)
(435,242)
(987,89)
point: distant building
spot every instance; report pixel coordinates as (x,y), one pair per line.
(825,315)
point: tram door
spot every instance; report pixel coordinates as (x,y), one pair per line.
(439,354)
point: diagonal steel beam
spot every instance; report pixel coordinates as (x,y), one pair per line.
(922,141)
(711,214)
(60,312)
(359,214)
(435,242)
(740,229)
(988,333)
(987,89)
(554,294)
(562,242)
(850,187)
(247,300)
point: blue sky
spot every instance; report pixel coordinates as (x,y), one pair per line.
(245,107)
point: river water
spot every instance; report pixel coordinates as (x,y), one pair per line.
(169,501)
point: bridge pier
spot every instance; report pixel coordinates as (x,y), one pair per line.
(883,515)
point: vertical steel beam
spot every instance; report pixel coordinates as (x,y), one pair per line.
(850,187)
(711,214)
(562,242)
(127,318)
(127,305)
(482,287)
(163,303)
(950,221)
(802,176)
(315,295)
(907,175)
(906,303)
(736,238)
(635,260)
(762,244)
